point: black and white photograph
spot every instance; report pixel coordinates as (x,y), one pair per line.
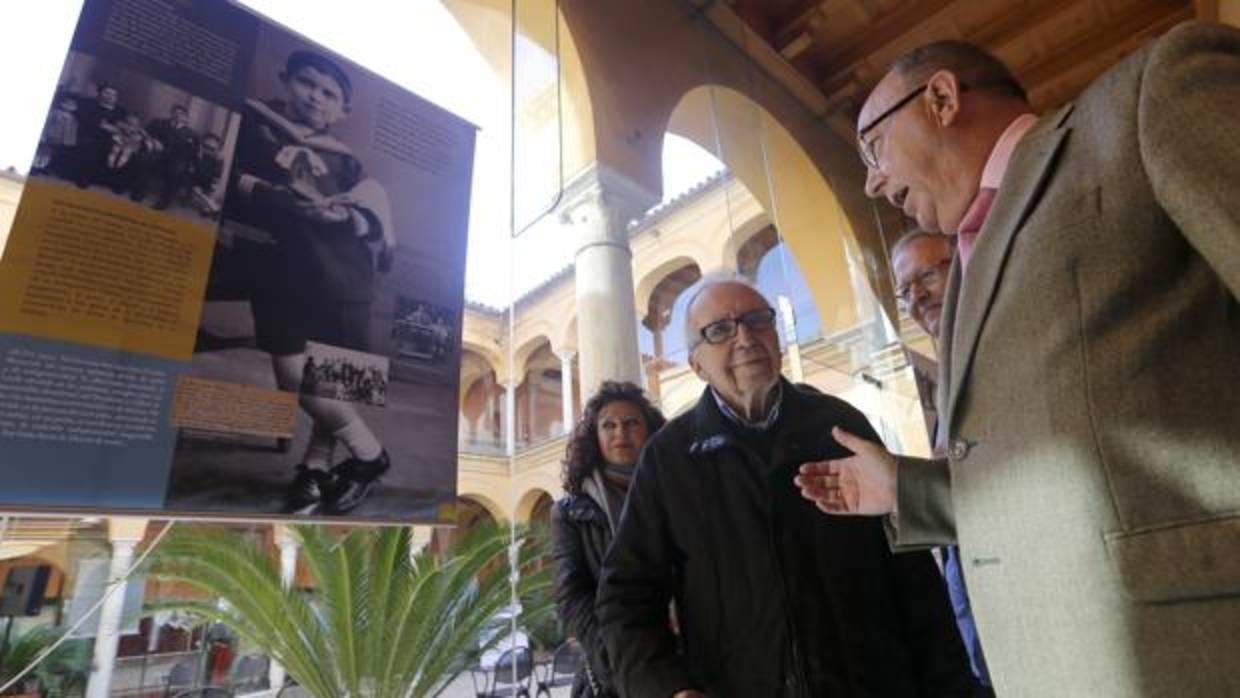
(331,223)
(117,132)
(422,332)
(344,374)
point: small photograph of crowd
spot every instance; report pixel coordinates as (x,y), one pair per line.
(337,373)
(119,132)
(422,331)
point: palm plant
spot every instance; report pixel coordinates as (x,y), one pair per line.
(380,623)
(65,669)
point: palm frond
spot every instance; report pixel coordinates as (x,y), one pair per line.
(379,623)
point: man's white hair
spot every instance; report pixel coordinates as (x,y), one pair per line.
(693,335)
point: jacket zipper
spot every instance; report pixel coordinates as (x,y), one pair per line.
(801,685)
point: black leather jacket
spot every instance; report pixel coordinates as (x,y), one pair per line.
(774,598)
(580,538)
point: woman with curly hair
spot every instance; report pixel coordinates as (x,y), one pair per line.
(598,466)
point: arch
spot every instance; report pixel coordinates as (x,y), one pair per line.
(779,173)
(754,248)
(651,279)
(745,233)
(493,509)
(539,394)
(529,503)
(526,351)
(490,354)
(488,24)
(566,334)
(646,67)
(474,366)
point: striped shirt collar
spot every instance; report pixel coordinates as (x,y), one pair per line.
(762,425)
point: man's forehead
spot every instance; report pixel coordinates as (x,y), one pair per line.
(722,299)
(319,77)
(922,251)
(884,94)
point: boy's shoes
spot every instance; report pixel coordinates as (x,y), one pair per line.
(353,480)
(308,491)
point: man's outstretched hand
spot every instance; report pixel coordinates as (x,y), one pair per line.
(863,483)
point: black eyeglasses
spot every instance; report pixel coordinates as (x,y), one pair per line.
(935,274)
(721,331)
(868,155)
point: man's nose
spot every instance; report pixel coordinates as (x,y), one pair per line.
(875,182)
(744,335)
(920,292)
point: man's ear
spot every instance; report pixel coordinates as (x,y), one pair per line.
(942,97)
(695,364)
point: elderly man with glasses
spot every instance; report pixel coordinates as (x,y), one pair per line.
(773,599)
(1089,362)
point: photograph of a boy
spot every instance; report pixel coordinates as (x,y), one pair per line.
(206,171)
(59,138)
(128,139)
(310,230)
(171,162)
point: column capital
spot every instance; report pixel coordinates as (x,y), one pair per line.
(565,355)
(283,535)
(126,530)
(601,202)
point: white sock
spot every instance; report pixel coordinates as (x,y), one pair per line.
(360,440)
(319,450)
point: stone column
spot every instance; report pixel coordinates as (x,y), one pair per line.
(598,205)
(287,543)
(123,533)
(792,350)
(533,384)
(510,417)
(491,421)
(419,538)
(566,388)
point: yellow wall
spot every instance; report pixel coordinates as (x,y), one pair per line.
(795,196)
(489,24)
(1229,12)
(10,192)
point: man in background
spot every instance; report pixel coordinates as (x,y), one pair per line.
(920,262)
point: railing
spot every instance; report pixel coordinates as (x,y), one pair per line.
(486,446)
(146,675)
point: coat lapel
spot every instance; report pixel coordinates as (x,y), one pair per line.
(970,294)
(947,332)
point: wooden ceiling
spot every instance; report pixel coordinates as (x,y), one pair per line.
(839,49)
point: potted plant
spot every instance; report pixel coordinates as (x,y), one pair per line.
(379,622)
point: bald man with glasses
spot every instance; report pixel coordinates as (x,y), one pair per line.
(1089,362)
(773,598)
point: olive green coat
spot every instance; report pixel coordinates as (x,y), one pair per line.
(1090,391)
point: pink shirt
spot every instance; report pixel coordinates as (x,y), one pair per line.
(992,177)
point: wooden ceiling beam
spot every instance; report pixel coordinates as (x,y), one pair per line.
(1206,10)
(837,77)
(844,91)
(792,28)
(1009,25)
(754,14)
(891,27)
(1153,15)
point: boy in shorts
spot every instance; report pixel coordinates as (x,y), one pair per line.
(308,231)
